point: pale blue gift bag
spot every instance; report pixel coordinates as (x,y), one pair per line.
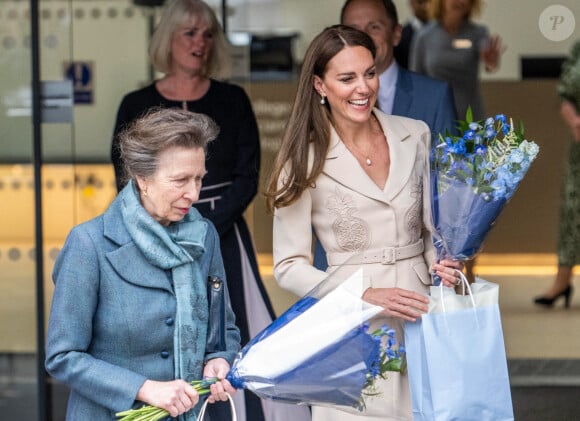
(456,357)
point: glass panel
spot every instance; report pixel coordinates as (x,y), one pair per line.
(78,180)
(18,397)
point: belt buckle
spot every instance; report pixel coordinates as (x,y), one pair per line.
(389,256)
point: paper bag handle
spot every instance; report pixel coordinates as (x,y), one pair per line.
(204,406)
(465,284)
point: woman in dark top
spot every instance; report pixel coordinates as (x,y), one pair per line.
(189,48)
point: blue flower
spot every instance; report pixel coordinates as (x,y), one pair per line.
(469,134)
(480,150)
(458,147)
(474,175)
(517,156)
(489,133)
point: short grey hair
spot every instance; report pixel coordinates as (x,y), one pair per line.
(160,129)
(175,15)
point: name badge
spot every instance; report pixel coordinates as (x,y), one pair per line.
(462,44)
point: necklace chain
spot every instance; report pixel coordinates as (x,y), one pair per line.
(354,148)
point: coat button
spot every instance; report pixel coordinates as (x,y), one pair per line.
(164,354)
(169,321)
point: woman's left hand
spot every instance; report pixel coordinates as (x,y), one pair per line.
(447,271)
(218,367)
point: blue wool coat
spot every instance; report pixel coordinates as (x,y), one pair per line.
(113,316)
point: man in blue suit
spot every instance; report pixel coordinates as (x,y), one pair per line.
(401,92)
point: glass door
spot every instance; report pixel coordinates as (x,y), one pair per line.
(19,277)
(55,171)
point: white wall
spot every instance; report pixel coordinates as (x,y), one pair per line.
(515,20)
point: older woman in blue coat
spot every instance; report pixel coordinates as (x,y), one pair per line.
(129,316)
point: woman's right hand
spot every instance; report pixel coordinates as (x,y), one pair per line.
(398,302)
(176,396)
(571,117)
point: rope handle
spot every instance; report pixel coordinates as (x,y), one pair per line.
(232,406)
(464,284)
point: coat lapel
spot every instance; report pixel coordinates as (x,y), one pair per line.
(343,167)
(140,271)
(402,152)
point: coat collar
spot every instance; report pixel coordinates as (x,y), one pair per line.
(129,263)
(343,167)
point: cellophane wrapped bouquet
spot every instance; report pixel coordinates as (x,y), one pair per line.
(319,352)
(473,175)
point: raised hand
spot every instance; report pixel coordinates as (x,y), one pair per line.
(491,53)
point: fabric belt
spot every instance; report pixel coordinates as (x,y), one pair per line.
(211,194)
(385,256)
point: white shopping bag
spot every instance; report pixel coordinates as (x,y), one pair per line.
(456,357)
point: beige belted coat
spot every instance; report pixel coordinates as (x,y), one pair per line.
(380,229)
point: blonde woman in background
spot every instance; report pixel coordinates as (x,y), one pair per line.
(452,47)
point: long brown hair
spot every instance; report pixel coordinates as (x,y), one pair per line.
(309,121)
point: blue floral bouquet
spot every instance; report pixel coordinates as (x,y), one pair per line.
(319,352)
(473,175)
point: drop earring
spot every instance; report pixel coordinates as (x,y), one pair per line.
(323,100)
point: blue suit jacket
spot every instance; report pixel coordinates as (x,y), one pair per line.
(422,98)
(113,317)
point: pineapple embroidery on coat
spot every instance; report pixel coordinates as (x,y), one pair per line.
(413,217)
(352,233)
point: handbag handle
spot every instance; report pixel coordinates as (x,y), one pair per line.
(232,407)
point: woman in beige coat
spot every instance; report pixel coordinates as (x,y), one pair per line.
(360,178)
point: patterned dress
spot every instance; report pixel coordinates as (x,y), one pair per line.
(569,228)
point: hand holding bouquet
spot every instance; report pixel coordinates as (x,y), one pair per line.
(319,352)
(472,178)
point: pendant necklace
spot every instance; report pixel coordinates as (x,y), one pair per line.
(357,151)
(366,156)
